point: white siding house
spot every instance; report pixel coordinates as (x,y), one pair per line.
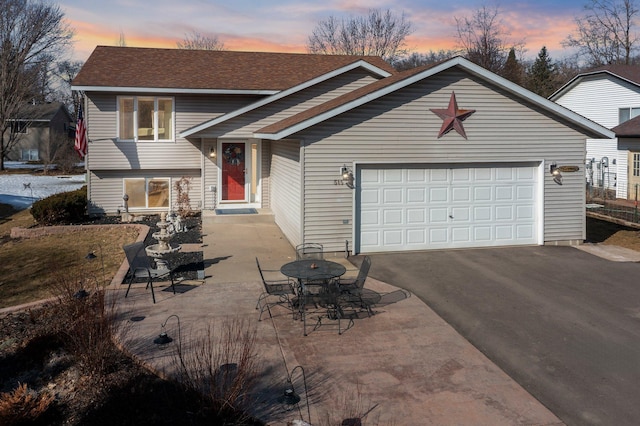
(344,151)
(609,96)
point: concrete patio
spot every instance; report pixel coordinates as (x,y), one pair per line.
(403,366)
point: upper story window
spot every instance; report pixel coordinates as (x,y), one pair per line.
(626,114)
(19,126)
(142,118)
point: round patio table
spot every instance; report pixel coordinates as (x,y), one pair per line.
(303,270)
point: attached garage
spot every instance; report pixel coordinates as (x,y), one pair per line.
(441,157)
(447,206)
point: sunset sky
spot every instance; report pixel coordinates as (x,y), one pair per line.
(284,25)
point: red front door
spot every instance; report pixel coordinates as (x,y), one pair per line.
(233,171)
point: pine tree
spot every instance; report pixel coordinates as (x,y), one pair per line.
(512,69)
(541,79)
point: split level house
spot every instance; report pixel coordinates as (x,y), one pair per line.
(342,150)
(610,96)
(39,131)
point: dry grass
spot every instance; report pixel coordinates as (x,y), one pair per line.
(29,267)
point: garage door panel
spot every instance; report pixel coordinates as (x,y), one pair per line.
(392,237)
(416,216)
(482,213)
(416,195)
(392,195)
(504,193)
(504,233)
(370,218)
(439,195)
(460,235)
(392,217)
(370,197)
(504,213)
(439,235)
(440,215)
(445,207)
(461,194)
(392,176)
(482,193)
(482,233)
(416,236)
(525,231)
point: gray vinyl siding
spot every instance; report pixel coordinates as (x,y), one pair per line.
(244,125)
(106,188)
(106,153)
(210,175)
(400,128)
(265,167)
(286,188)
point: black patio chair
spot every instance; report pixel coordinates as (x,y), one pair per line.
(309,251)
(140,266)
(281,289)
(321,298)
(354,287)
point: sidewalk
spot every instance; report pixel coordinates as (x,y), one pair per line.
(403,366)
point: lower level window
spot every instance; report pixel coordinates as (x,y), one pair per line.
(147,192)
(29,155)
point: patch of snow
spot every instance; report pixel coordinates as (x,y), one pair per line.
(21,190)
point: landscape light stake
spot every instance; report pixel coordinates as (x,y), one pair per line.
(290,398)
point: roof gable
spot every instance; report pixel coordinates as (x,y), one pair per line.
(283,94)
(628,73)
(127,68)
(375,90)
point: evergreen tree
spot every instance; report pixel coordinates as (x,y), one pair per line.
(512,69)
(542,75)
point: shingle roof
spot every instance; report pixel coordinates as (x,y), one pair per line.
(40,112)
(628,72)
(342,100)
(110,66)
(630,128)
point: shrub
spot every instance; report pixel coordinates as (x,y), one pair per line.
(66,207)
(23,406)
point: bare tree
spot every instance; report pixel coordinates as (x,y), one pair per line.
(122,41)
(198,41)
(380,33)
(30,32)
(482,38)
(66,71)
(419,59)
(605,34)
(56,147)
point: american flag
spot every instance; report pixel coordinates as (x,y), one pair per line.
(81,134)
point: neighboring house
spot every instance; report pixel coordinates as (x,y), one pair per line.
(609,95)
(39,129)
(342,149)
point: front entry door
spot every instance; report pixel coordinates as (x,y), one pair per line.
(234,171)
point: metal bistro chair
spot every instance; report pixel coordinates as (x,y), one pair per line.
(320,297)
(354,288)
(309,251)
(140,267)
(282,289)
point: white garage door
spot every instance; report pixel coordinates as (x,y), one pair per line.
(446,207)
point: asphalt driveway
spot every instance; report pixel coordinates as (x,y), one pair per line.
(563,323)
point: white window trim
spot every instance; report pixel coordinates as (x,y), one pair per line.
(156,100)
(146,192)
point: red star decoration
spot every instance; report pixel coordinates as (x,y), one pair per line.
(452,117)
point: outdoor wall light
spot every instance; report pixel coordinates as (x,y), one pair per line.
(555,172)
(347,176)
(212,152)
(290,398)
